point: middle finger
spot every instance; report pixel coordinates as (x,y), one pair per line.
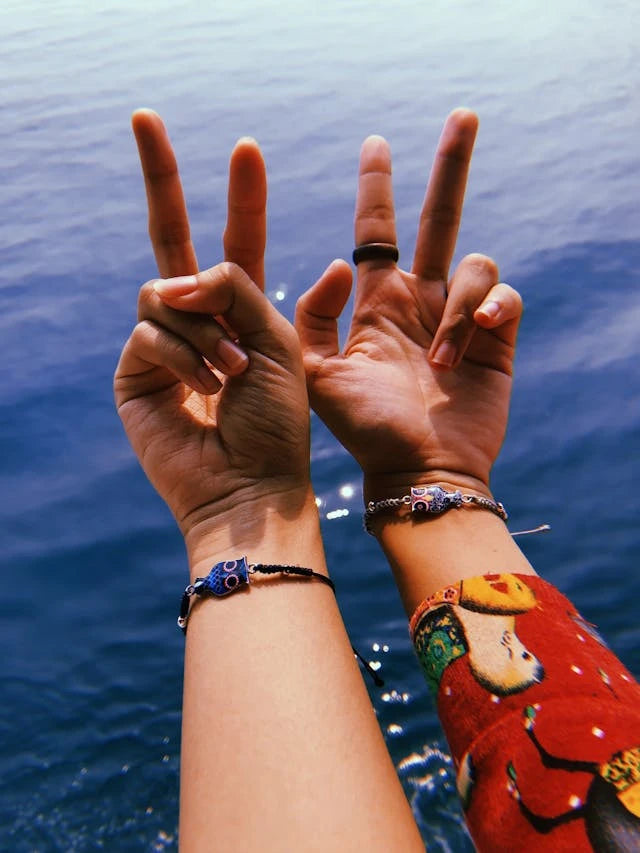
(442,208)
(245,236)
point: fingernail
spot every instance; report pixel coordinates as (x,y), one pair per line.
(231,355)
(246,140)
(180,286)
(208,380)
(445,355)
(490,309)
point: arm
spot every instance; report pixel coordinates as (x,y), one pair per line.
(419,394)
(427,556)
(280,746)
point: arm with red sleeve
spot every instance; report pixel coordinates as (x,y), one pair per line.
(542,719)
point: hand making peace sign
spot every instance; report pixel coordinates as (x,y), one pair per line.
(420,390)
(207,440)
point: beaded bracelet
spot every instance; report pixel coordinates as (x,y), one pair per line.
(431,500)
(231,575)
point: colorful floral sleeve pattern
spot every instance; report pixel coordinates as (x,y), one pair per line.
(542,719)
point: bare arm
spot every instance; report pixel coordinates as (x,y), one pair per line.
(281,749)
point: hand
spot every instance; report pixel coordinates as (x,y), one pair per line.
(420,392)
(208,441)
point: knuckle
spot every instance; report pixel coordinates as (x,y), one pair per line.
(517,299)
(170,233)
(158,174)
(516,296)
(458,323)
(230,270)
(510,297)
(375,212)
(442,214)
(249,254)
(171,350)
(451,153)
(481,265)
(146,293)
(147,300)
(143,332)
(256,208)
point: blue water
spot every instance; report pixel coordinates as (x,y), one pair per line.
(91,562)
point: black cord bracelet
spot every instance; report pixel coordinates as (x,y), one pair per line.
(299,571)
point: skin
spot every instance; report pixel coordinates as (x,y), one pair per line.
(280,746)
(178,414)
(211,391)
(433,416)
(420,391)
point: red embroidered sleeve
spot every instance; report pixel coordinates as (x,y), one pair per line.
(542,719)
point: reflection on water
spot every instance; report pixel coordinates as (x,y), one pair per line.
(430,781)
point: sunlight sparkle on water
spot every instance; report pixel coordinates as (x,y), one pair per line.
(337,513)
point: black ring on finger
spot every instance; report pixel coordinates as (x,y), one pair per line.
(375,252)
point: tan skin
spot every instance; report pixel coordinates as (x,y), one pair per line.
(384,394)
(218,431)
(230,454)
(420,391)
(280,746)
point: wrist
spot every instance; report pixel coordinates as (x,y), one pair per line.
(427,553)
(378,486)
(279,527)
(426,502)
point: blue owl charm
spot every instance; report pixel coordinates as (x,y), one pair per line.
(225,578)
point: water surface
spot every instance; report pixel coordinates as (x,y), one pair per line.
(92,665)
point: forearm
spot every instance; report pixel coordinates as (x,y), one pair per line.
(426,553)
(278,728)
(538,713)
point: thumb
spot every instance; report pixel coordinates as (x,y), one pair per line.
(227,291)
(318,309)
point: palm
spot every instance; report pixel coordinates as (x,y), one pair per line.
(174,431)
(397,405)
(198,448)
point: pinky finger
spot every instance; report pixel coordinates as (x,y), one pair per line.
(501,305)
(152,346)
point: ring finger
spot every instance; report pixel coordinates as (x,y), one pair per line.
(473,279)
(375,219)
(201,331)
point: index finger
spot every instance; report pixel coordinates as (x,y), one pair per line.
(245,236)
(442,207)
(168,218)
